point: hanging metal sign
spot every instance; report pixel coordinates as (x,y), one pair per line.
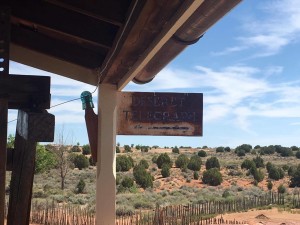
(165,114)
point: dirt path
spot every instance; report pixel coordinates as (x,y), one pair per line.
(266,217)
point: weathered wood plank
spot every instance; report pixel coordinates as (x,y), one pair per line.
(4,70)
(29,131)
(21,182)
(25,92)
(37,127)
(9,161)
(3,140)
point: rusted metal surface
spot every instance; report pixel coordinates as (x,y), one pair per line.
(165,114)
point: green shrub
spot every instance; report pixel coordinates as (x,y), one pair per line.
(276,173)
(81,162)
(269,165)
(292,170)
(80,186)
(181,161)
(75,148)
(10,141)
(202,153)
(123,163)
(195,163)
(127,148)
(297,154)
(127,182)
(196,175)
(144,148)
(118,149)
(247,164)
(118,179)
(220,149)
(212,177)
(267,150)
(259,162)
(163,159)
(142,177)
(281,189)
(227,149)
(124,210)
(246,148)
(258,175)
(226,194)
(175,150)
(86,149)
(212,162)
(295,178)
(286,152)
(285,167)
(45,160)
(144,163)
(154,159)
(165,170)
(241,152)
(269,185)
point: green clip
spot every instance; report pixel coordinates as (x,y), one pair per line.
(87,100)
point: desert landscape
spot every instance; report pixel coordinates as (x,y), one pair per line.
(148,178)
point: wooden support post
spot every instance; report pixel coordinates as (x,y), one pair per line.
(21,182)
(28,134)
(106,171)
(4,71)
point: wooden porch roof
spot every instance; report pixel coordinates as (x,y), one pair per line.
(111,41)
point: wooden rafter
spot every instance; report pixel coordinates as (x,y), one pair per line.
(77,54)
(66,21)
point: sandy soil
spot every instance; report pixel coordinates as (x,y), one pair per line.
(266,217)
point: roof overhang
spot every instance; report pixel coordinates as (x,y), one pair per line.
(111,42)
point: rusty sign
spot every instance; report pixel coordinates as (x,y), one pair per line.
(165,114)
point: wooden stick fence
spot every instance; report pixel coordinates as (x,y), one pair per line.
(193,214)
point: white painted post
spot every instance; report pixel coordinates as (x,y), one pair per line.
(106,172)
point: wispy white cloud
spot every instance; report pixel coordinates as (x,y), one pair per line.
(276,26)
(295,124)
(230,50)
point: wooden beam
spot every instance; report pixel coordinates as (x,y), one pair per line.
(70,52)
(60,35)
(67,21)
(3,152)
(21,182)
(9,161)
(185,11)
(25,92)
(24,163)
(51,64)
(4,72)
(94,13)
(112,11)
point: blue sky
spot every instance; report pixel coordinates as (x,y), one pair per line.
(247,66)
